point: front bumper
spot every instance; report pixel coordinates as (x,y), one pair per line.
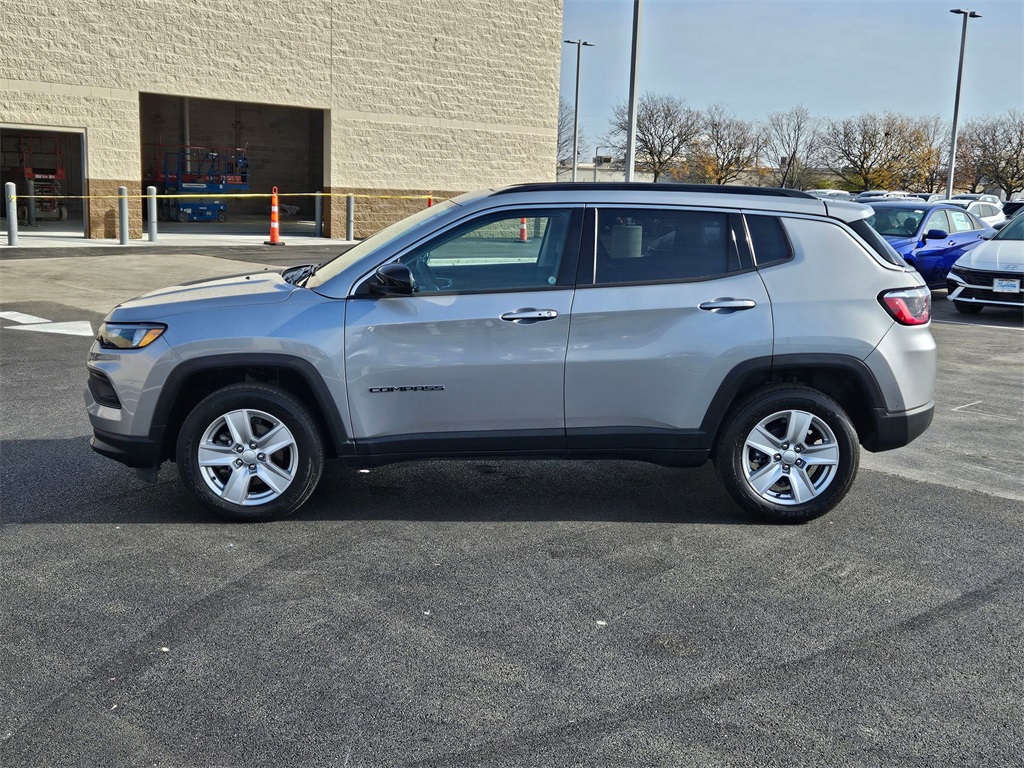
(136,452)
(976,287)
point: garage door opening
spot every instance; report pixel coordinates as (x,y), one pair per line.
(47,169)
(230,155)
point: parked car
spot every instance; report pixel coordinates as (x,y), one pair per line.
(929,236)
(771,331)
(1011,207)
(991,275)
(983,197)
(990,213)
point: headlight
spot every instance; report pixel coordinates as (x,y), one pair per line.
(129,335)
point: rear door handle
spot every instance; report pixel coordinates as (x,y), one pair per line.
(528,315)
(726,306)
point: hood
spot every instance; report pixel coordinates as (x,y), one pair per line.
(222,292)
(996,256)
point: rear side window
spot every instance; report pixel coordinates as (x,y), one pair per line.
(646,245)
(768,240)
(961,221)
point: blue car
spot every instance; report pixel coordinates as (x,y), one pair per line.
(929,236)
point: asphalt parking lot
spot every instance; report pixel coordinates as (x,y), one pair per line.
(487,613)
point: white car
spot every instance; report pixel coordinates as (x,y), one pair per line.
(992,274)
(989,212)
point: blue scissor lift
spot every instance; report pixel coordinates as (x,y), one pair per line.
(201,171)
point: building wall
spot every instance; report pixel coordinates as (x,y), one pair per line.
(418,94)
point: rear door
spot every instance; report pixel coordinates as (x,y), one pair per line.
(668,302)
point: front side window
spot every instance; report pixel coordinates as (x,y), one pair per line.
(644,245)
(508,251)
(937,220)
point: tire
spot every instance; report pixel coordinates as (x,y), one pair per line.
(767,418)
(62,213)
(967,308)
(250,484)
(222,216)
(183,217)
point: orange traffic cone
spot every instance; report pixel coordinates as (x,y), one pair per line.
(275,227)
(523,238)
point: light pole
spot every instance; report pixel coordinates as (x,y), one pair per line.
(576,109)
(597,159)
(967,14)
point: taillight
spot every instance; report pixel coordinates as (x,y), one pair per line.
(909,306)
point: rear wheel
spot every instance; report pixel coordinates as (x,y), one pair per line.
(787,453)
(250,452)
(183,217)
(967,308)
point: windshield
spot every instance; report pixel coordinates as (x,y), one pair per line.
(329,269)
(1012,231)
(896,222)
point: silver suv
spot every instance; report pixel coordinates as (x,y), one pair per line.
(766,329)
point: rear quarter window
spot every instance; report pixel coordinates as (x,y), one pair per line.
(768,240)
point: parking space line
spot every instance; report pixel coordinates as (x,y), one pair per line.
(980,325)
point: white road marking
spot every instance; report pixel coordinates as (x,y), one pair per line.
(961,407)
(73,328)
(978,325)
(982,413)
(21,317)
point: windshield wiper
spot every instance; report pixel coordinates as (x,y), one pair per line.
(298,275)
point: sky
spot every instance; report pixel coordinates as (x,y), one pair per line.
(838,58)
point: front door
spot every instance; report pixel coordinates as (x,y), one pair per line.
(475,358)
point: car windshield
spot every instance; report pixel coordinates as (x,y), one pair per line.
(1012,231)
(333,267)
(896,222)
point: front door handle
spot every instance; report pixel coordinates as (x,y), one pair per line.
(727,306)
(528,315)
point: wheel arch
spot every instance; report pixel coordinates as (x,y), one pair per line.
(193,380)
(845,379)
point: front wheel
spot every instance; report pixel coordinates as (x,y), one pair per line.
(788,453)
(250,452)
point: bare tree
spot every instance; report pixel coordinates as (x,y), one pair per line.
(931,159)
(1001,145)
(665,128)
(969,173)
(870,151)
(565,123)
(724,150)
(789,140)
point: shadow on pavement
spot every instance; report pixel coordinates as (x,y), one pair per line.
(65,482)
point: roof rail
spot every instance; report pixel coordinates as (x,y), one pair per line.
(646,186)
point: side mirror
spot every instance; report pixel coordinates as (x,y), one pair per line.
(393,280)
(936,234)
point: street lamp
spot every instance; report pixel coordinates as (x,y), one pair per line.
(576,109)
(597,160)
(967,14)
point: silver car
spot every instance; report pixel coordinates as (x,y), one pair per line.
(770,331)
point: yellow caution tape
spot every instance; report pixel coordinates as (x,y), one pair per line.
(231,195)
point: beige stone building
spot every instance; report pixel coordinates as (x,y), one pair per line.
(380,97)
